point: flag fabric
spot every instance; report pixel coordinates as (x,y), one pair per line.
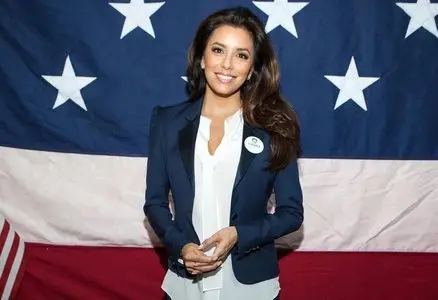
(79,79)
(12,261)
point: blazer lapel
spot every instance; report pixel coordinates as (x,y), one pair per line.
(246,157)
(187,140)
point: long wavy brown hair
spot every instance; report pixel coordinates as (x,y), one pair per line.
(263,104)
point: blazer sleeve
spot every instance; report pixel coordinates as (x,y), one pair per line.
(287,218)
(156,206)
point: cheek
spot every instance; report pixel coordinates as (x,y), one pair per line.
(212,63)
(243,69)
(241,66)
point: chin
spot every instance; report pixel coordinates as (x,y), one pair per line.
(225,93)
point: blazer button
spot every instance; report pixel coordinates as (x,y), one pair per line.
(234,217)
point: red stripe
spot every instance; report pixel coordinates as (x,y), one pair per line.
(6,272)
(19,275)
(3,234)
(11,261)
(62,272)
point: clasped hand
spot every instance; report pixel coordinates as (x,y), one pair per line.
(195,259)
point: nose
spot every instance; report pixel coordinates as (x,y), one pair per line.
(227,62)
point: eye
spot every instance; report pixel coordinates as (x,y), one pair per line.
(217,50)
(243,56)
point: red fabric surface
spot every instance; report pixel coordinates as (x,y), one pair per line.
(61,272)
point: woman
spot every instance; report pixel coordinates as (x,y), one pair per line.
(221,154)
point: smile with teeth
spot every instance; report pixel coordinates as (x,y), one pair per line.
(224,78)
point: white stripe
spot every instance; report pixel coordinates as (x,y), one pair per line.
(372,205)
(97,200)
(6,248)
(73,199)
(14,271)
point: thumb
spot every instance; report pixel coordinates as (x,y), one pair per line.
(209,242)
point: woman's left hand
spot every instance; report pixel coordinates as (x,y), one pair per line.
(224,240)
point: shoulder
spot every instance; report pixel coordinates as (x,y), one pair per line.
(261,133)
(171,112)
(174,117)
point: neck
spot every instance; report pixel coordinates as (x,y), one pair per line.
(216,106)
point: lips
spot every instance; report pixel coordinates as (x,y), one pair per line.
(225,78)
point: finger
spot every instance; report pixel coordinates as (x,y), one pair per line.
(209,242)
(192,266)
(197,268)
(201,257)
(196,265)
(220,250)
(203,264)
(193,271)
(198,256)
(224,255)
(209,268)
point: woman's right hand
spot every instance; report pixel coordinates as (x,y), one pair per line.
(195,260)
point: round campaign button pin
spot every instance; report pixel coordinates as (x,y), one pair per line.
(254,145)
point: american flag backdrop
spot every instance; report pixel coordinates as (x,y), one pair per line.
(79,79)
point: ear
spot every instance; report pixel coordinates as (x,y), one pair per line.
(250,73)
(202,63)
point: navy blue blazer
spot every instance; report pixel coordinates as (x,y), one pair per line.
(170,166)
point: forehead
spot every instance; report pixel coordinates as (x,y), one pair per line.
(231,37)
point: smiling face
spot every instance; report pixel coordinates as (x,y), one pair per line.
(227,60)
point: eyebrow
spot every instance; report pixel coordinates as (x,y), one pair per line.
(239,49)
